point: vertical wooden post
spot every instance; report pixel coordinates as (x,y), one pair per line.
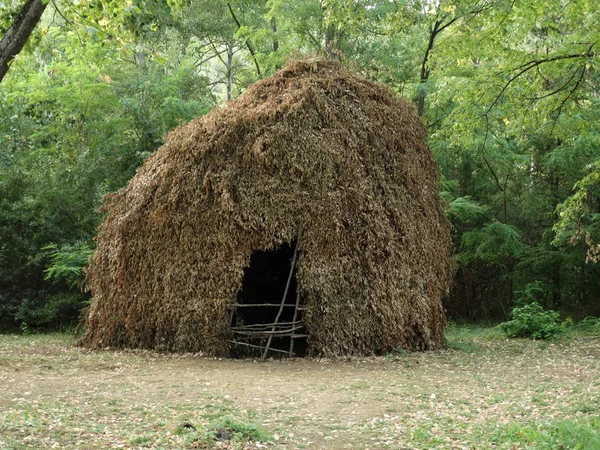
(287,288)
(294,319)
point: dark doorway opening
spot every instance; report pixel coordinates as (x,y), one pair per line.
(259,318)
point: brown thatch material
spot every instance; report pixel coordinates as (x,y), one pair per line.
(312,146)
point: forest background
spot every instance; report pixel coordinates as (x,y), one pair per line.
(509,90)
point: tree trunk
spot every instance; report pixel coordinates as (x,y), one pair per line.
(230,70)
(275,37)
(16,37)
(425,72)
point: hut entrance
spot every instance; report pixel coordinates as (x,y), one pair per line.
(266,319)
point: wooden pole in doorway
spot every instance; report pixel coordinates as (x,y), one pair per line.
(294,319)
(287,288)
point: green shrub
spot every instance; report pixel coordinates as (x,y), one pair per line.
(57,308)
(58,311)
(533,321)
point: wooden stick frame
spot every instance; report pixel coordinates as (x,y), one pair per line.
(256,333)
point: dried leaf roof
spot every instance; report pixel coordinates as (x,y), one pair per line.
(313,146)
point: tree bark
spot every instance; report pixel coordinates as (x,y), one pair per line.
(275,38)
(425,72)
(230,70)
(16,37)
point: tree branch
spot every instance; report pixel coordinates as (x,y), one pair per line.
(275,38)
(60,13)
(526,67)
(496,179)
(17,35)
(434,32)
(249,45)
(218,53)
(558,110)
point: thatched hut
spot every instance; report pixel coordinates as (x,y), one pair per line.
(315,183)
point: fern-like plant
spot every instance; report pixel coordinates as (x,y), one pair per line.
(67,263)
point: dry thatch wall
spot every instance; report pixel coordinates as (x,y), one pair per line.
(312,146)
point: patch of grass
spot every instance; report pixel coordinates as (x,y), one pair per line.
(553,435)
(462,346)
(140,440)
(539,400)
(588,326)
(59,424)
(468,338)
(361,384)
(432,432)
(37,338)
(474,331)
(498,398)
(225,429)
(239,431)
(587,408)
(217,409)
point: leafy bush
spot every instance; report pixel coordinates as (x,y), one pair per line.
(59,311)
(58,307)
(533,321)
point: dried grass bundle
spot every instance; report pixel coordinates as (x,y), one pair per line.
(313,146)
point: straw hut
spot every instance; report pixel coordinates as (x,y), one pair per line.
(302,218)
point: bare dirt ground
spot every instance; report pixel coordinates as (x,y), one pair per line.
(484,393)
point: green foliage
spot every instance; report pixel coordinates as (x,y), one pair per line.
(239,431)
(77,118)
(533,321)
(465,209)
(60,311)
(67,263)
(534,292)
(579,214)
(494,244)
(511,108)
(551,435)
(590,324)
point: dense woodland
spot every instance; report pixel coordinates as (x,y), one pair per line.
(509,90)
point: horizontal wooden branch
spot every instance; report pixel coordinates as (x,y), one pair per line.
(248,305)
(257,346)
(250,336)
(267,333)
(267,325)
